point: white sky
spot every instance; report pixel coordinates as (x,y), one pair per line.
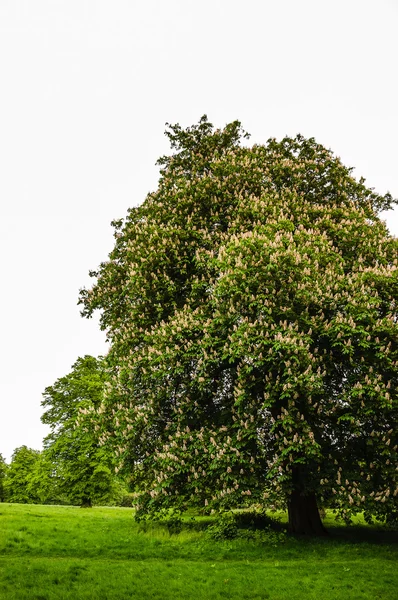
(86,89)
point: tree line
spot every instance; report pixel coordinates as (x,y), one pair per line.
(73,467)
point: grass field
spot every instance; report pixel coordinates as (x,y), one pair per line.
(53,552)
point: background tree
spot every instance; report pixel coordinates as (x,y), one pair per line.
(251,304)
(43,482)
(3,474)
(84,470)
(18,485)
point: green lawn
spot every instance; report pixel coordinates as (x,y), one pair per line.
(52,552)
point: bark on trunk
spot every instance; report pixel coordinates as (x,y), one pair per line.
(86,503)
(304,515)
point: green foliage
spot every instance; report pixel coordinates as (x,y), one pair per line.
(80,390)
(257,519)
(30,479)
(84,470)
(3,474)
(225,528)
(20,482)
(42,482)
(251,305)
(256,526)
(126,500)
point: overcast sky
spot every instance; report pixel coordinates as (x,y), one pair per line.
(86,89)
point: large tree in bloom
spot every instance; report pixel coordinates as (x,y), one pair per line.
(251,306)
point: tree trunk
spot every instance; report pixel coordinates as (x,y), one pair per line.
(86,503)
(304,516)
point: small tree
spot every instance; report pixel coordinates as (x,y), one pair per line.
(251,304)
(83,469)
(18,484)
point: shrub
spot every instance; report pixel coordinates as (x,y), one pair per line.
(225,528)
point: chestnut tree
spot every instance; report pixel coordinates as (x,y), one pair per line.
(251,306)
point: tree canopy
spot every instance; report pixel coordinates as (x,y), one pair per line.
(251,306)
(18,484)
